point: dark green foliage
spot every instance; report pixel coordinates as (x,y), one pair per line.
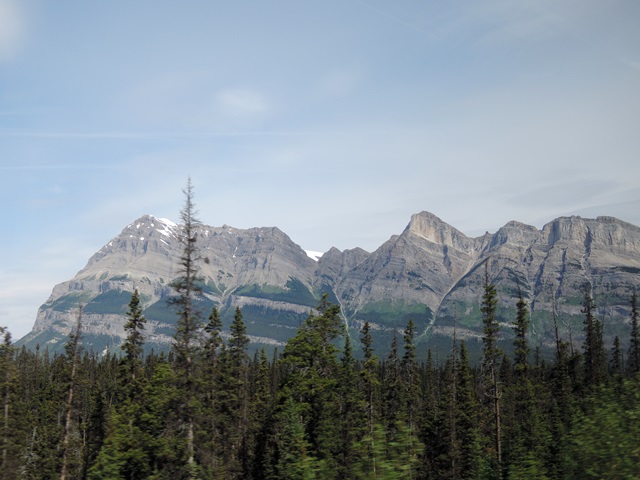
(595,357)
(604,440)
(634,340)
(294,292)
(69,302)
(410,384)
(111,301)
(10,437)
(133,345)
(615,362)
(391,313)
(315,411)
(521,347)
(233,400)
(160,311)
(491,365)
(467,426)
(491,353)
(185,346)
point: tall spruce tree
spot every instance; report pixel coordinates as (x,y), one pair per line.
(72,355)
(9,437)
(444,446)
(310,369)
(352,415)
(524,431)
(520,344)
(369,376)
(467,425)
(491,363)
(209,436)
(392,391)
(615,362)
(634,340)
(410,379)
(595,357)
(260,409)
(125,452)
(133,345)
(186,344)
(235,402)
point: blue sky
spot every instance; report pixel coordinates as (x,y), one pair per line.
(333,120)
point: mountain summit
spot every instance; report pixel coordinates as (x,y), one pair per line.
(431,273)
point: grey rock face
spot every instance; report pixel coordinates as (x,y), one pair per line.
(431,273)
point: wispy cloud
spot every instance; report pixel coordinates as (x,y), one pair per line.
(54,166)
(393,17)
(164,135)
(12,29)
(340,82)
(241,103)
(633,64)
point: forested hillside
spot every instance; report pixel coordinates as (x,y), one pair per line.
(210,410)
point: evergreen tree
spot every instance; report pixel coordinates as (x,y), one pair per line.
(491,364)
(141,440)
(10,435)
(430,415)
(524,432)
(392,391)
(411,387)
(72,354)
(209,437)
(594,353)
(371,387)
(634,341)
(124,452)
(133,345)
(615,364)
(352,411)
(603,440)
(561,410)
(520,344)
(444,443)
(467,424)
(294,459)
(311,378)
(185,343)
(410,378)
(234,398)
(214,339)
(261,407)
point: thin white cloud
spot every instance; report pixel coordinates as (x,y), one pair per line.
(339,83)
(12,29)
(20,296)
(393,17)
(633,64)
(241,103)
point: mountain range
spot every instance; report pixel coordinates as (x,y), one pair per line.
(430,273)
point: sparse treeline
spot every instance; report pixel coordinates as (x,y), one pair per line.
(210,410)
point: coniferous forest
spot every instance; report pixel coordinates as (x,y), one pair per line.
(211,409)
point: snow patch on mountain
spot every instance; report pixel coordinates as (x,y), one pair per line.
(314,255)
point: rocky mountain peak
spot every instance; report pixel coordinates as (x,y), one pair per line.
(151,223)
(565,229)
(431,228)
(516,233)
(431,273)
